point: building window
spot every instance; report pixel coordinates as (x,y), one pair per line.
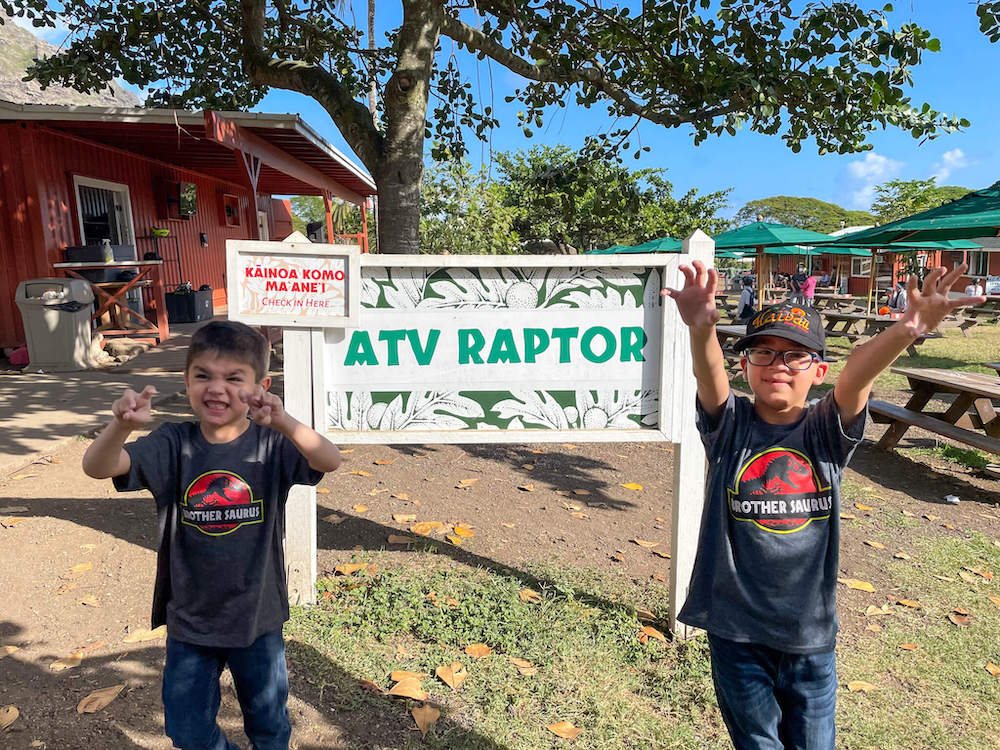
(231,210)
(861,267)
(979,263)
(104,211)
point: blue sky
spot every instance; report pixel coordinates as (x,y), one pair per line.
(961,79)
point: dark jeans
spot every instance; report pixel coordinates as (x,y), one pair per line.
(772,700)
(191,693)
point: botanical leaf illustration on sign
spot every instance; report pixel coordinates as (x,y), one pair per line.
(592,410)
(421,410)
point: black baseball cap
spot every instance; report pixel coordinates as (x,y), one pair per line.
(797,323)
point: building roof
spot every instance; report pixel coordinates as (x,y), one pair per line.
(181,137)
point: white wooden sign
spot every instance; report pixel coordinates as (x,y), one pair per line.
(292,284)
(487,349)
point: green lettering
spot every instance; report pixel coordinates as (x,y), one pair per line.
(565,335)
(588,338)
(426,353)
(633,339)
(392,339)
(536,341)
(503,349)
(470,343)
(360,350)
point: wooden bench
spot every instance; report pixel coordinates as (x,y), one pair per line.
(900,418)
(995,366)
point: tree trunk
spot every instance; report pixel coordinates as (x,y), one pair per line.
(372,82)
(401,162)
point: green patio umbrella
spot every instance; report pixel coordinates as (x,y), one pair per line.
(661,245)
(608,250)
(763,234)
(976,214)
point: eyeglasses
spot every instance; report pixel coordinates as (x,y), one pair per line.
(794,359)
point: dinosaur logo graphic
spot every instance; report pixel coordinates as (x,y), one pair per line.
(219,502)
(778,490)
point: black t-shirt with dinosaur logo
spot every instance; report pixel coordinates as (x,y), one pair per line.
(220,569)
(766,567)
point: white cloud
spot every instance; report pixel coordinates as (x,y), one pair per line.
(866,173)
(950,161)
(58,35)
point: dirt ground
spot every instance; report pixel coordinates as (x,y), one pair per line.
(561,503)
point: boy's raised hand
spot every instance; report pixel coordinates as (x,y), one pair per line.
(696,301)
(265,407)
(133,409)
(927,306)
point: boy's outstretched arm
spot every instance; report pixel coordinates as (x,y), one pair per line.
(267,410)
(925,311)
(696,305)
(106,456)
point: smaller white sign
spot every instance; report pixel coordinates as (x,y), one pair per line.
(993,285)
(293,284)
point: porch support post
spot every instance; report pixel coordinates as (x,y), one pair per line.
(328,207)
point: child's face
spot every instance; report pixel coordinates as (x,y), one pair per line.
(779,391)
(213,384)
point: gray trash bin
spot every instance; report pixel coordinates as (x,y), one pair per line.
(56,315)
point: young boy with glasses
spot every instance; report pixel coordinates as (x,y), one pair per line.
(764,578)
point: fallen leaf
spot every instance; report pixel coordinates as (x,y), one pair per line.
(570,506)
(400,496)
(347,450)
(631,486)
(569,445)
(334,519)
(404,517)
(961,611)
(660,577)
(947,526)
(907,513)
(90,601)
(537,451)
(137,636)
(361,473)
(931,517)
(530,596)
(360,508)
(425,716)
(8,650)
(961,620)
(456,540)
(399,539)
(579,516)
(873,626)
(854,583)
(874,611)
(581,492)
(946,579)
(464,483)
(69,662)
(19,477)
(8,715)
(967,577)
(981,573)
(373,493)
(383,461)
(860,686)
(451,602)
(349,569)
(508,525)
(617,557)
(664,555)
(993,669)
(464,531)
(409,688)
(525,667)
(78,570)
(426,527)
(911,603)
(370,686)
(874,545)
(8,522)
(909,646)
(995,600)
(402,674)
(528,467)
(526,487)
(847,516)
(322,491)
(650,632)
(565,729)
(99,699)
(862,506)
(453,675)
(478,650)
(644,543)
(901,556)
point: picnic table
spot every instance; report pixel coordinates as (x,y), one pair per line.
(728,335)
(971,418)
(858,327)
(828,300)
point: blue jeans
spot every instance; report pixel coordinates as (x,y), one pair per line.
(191,693)
(773,700)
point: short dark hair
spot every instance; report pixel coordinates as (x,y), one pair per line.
(231,339)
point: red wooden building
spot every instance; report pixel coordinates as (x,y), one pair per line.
(72,176)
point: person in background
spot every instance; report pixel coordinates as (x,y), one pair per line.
(975,288)
(809,290)
(824,280)
(748,301)
(897,298)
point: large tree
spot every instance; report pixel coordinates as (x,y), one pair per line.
(827,72)
(897,199)
(805,213)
